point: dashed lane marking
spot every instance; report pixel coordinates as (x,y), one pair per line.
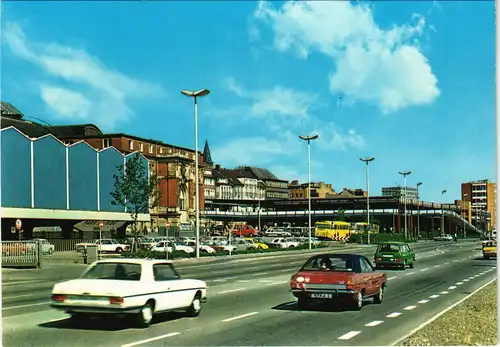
(424,269)
(459,283)
(436,265)
(465,280)
(391,278)
(434,296)
(275,283)
(20,282)
(231,291)
(394,314)
(259,274)
(349,335)
(409,308)
(422,301)
(452,287)
(150,340)
(223,279)
(444,292)
(22,306)
(18,296)
(374,323)
(243,281)
(409,273)
(239,317)
(265,281)
(446,263)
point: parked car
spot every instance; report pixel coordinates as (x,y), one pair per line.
(338,277)
(138,287)
(257,242)
(245,231)
(203,247)
(444,237)
(177,246)
(104,245)
(393,253)
(284,243)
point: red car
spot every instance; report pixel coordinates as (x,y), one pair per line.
(335,277)
(244,231)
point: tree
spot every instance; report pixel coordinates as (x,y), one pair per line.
(134,191)
(340,216)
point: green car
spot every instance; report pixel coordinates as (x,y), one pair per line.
(393,253)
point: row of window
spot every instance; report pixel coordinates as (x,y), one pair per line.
(276,184)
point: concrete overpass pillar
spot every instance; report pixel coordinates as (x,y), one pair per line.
(442,224)
(67,230)
(121,231)
(399,222)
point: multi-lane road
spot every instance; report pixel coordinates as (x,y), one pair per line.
(249,304)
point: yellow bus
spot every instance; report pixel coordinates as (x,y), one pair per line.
(332,230)
(362,227)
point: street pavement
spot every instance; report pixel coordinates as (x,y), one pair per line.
(249,304)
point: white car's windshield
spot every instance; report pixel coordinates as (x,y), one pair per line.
(114,271)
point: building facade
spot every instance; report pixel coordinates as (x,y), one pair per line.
(411,193)
(319,190)
(208,179)
(275,188)
(482,197)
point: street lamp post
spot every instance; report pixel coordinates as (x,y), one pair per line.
(367,160)
(309,139)
(405,173)
(466,213)
(418,210)
(195,95)
(442,213)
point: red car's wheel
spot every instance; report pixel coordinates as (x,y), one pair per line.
(380,296)
(358,301)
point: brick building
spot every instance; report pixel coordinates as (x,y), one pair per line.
(319,190)
(482,196)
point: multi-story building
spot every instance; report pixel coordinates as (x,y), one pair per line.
(253,189)
(275,188)
(482,196)
(411,193)
(349,193)
(319,190)
(173,164)
(227,186)
(208,179)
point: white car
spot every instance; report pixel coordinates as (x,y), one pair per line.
(107,245)
(203,247)
(168,246)
(139,287)
(446,237)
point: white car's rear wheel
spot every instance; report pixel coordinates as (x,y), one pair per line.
(145,316)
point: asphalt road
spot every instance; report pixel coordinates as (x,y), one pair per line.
(249,304)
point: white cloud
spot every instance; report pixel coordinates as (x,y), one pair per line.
(331,137)
(103,92)
(382,67)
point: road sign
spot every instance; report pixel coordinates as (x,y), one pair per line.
(13,230)
(101,224)
(167,225)
(19,224)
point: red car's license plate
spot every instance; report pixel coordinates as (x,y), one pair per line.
(321,296)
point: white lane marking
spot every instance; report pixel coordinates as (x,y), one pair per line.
(456,260)
(150,340)
(243,281)
(434,296)
(18,296)
(349,335)
(259,274)
(224,279)
(391,278)
(471,278)
(465,280)
(231,291)
(239,317)
(459,283)
(436,265)
(394,314)
(21,306)
(446,263)
(422,301)
(452,287)
(423,325)
(409,308)
(265,281)
(20,282)
(275,283)
(444,292)
(284,270)
(424,269)
(374,323)
(409,273)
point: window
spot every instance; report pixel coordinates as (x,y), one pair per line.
(142,147)
(330,262)
(365,265)
(114,271)
(181,200)
(107,143)
(161,149)
(150,148)
(165,272)
(131,145)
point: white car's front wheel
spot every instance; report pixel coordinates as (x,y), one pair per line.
(195,308)
(145,317)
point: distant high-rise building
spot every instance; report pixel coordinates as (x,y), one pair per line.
(398,192)
(482,197)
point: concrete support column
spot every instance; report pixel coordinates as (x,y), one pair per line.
(442,224)
(67,230)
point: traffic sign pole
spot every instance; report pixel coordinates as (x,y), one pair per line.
(167,226)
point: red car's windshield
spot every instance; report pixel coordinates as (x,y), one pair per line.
(329,263)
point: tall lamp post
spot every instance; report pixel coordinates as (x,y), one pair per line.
(195,95)
(309,139)
(442,213)
(405,173)
(418,210)
(466,212)
(368,160)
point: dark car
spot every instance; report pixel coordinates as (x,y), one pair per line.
(338,277)
(394,254)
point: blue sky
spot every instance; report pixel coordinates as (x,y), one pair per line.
(411,83)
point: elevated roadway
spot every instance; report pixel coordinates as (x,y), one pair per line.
(249,304)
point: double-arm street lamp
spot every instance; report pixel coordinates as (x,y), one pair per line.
(367,160)
(195,95)
(418,209)
(405,173)
(309,139)
(442,213)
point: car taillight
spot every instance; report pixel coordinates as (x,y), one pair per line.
(399,259)
(349,282)
(58,297)
(377,259)
(115,301)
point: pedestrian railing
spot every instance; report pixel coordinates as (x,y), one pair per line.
(21,253)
